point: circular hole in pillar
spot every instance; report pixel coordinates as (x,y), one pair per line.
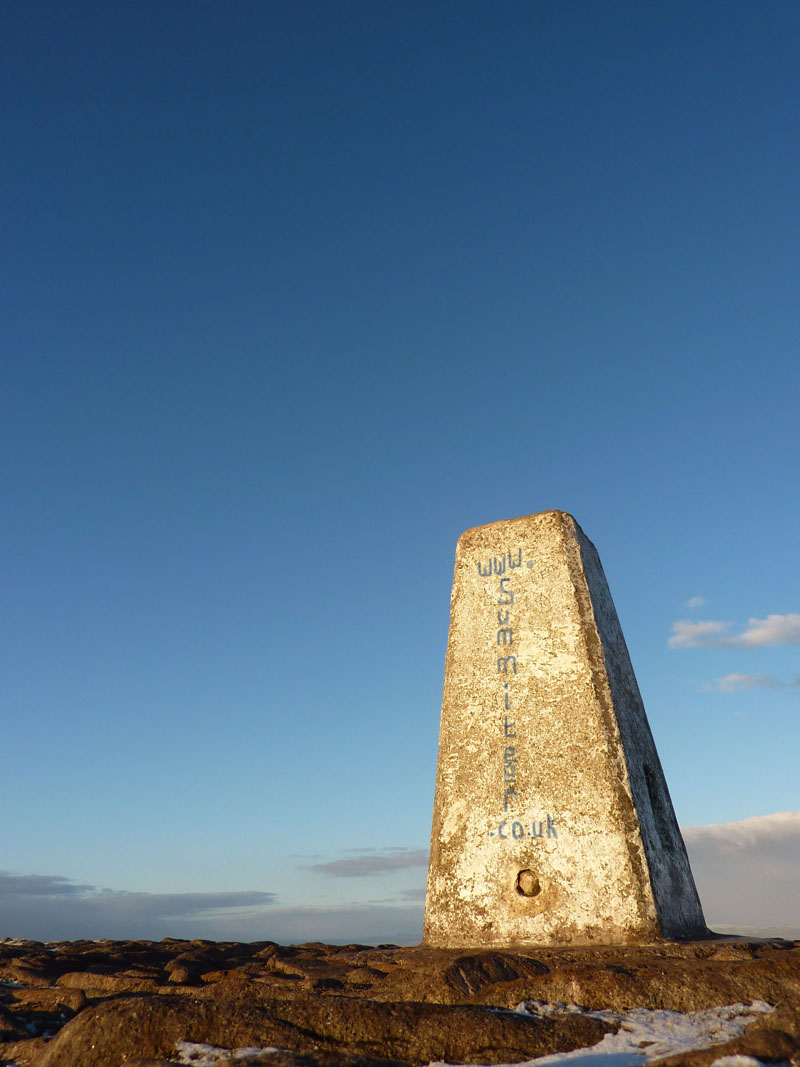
(528,884)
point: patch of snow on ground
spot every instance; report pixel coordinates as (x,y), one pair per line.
(199,1055)
(737,1061)
(643,1036)
(646,1035)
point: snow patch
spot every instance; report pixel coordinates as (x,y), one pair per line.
(737,1061)
(643,1036)
(646,1035)
(197,1054)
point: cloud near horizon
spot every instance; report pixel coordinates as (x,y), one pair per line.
(44,907)
(759,633)
(747,873)
(51,904)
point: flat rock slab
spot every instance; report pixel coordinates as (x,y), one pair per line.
(356,1006)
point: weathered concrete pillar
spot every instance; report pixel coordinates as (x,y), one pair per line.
(552,821)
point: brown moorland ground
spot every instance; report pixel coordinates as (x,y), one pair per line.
(108,1003)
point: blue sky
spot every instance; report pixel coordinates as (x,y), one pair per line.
(295,293)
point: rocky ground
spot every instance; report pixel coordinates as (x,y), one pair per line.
(107,1003)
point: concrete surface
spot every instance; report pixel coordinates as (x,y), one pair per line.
(552,819)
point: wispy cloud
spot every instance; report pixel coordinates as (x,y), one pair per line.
(418,893)
(40,885)
(759,633)
(50,907)
(695,602)
(369,924)
(734,683)
(747,872)
(366,863)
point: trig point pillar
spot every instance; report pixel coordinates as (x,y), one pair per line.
(552,821)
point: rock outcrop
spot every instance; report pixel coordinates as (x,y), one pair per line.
(104,1004)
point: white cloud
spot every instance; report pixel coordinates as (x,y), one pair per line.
(696,602)
(733,683)
(774,630)
(759,633)
(687,634)
(747,873)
